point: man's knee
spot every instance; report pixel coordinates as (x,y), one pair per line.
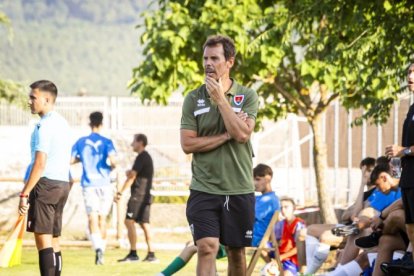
(129,222)
(207,246)
(388,243)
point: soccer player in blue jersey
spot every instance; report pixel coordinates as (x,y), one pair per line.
(97,155)
(266,203)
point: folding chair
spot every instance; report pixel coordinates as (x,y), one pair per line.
(268,235)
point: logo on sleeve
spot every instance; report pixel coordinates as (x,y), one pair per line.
(238,99)
(201,103)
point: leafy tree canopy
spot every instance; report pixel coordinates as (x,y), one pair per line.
(304,54)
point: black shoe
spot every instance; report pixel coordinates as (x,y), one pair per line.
(151,258)
(129,258)
(345,230)
(99,259)
(400,266)
(369,241)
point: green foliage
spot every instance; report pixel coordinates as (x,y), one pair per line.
(305,54)
(12,92)
(173,37)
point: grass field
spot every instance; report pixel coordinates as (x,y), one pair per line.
(80,262)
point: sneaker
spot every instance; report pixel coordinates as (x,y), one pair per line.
(369,241)
(151,258)
(400,266)
(345,230)
(129,258)
(99,260)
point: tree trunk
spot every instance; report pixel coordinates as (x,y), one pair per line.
(320,163)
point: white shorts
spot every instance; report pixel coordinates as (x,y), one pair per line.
(98,199)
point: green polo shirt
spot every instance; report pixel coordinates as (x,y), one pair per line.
(228,169)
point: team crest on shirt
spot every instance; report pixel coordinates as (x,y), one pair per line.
(238,99)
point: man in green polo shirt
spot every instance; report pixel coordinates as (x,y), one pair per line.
(217,121)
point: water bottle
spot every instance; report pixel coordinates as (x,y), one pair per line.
(396,167)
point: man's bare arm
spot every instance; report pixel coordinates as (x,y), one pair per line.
(38,167)
(74,160)
(112,161)
(131,175)
(191,143)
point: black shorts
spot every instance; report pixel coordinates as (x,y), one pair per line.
(229,218)
(139,204)
(47,200)
(407,196)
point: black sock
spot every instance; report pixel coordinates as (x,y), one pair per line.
(47,262)
(59,262)
(133,252)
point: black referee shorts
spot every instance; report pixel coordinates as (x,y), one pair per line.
(229,218)
(47,200)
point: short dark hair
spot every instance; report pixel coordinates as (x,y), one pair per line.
(227,42)
(382,160)
(45,86)
(95,119)
(367,162)
(286,198)
(262,170)
(141,138)
(380,168)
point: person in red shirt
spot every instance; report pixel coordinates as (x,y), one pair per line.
(286,232)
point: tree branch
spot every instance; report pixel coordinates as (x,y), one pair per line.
(356,39)
(302,107)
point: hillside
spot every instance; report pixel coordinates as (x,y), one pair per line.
(80,45)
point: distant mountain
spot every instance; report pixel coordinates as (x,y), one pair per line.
(82,45)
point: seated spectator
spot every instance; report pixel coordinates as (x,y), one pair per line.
(378,201)
(388,229)
(319,237)
(266,204)
(286,232)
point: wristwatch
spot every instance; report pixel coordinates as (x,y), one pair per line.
(407,151)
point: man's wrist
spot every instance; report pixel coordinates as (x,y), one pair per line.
(407,151)
(23,195)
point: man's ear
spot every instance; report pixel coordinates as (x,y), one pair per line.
(230,62)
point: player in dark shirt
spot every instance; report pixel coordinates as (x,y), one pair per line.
(139,178)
